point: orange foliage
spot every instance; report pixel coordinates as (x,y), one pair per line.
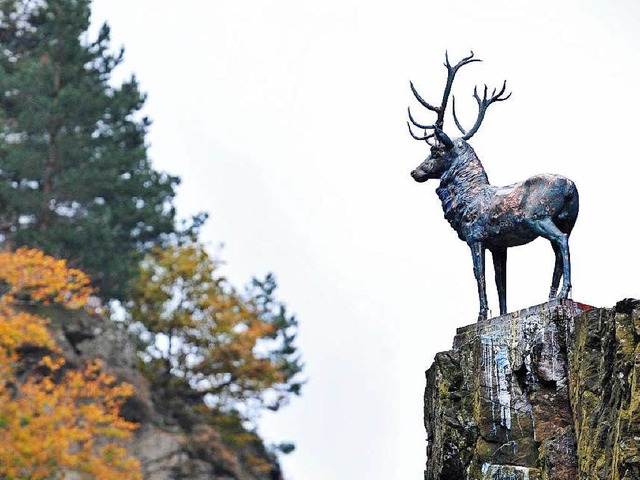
(61,420)
(180,294)
(21,328)
(48,427)
(43,278)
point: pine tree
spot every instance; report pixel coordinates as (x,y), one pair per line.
(75,179)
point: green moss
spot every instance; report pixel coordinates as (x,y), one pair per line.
(600,352)
(625,337)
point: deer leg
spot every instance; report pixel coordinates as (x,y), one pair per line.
(547,229)
(557,272)
(477,253)
(566,267)
(500,268)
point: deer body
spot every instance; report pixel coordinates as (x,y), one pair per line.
(494,218)
(501,217)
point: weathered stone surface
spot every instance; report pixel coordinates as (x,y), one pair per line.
(550,392)
(604,365)
(166,450)
(160,453)
(509,472)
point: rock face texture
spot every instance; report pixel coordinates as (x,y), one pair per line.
(166,449)
(548,393)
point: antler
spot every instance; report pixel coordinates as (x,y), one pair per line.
(419,125)
(483,104)
(440,110)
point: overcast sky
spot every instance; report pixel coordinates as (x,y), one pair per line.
(286,121)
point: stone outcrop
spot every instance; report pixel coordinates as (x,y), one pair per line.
(166,449)
(548,393)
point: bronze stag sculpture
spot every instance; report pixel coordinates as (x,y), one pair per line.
(491,217)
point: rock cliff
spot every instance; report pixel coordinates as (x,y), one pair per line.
(167,447)
(548,393)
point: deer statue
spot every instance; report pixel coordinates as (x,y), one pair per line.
(488,217)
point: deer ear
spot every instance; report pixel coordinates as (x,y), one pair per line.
(443,138)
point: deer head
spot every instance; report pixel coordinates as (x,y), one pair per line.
(443,149)
(442,155)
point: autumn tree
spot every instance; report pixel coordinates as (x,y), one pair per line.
(75,178)
(54,420)
(235,348)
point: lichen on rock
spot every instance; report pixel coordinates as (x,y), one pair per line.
(550,392)
(604,366)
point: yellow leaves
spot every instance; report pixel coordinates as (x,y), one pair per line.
(55,419)
(52,364)
(43,278)
(51,427)
(21,328)
(205,330)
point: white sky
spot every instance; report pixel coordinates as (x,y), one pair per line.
(286,121)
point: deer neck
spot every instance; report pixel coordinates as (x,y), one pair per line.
(462,190)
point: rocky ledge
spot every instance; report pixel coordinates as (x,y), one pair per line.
(551,392)
(168,447)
